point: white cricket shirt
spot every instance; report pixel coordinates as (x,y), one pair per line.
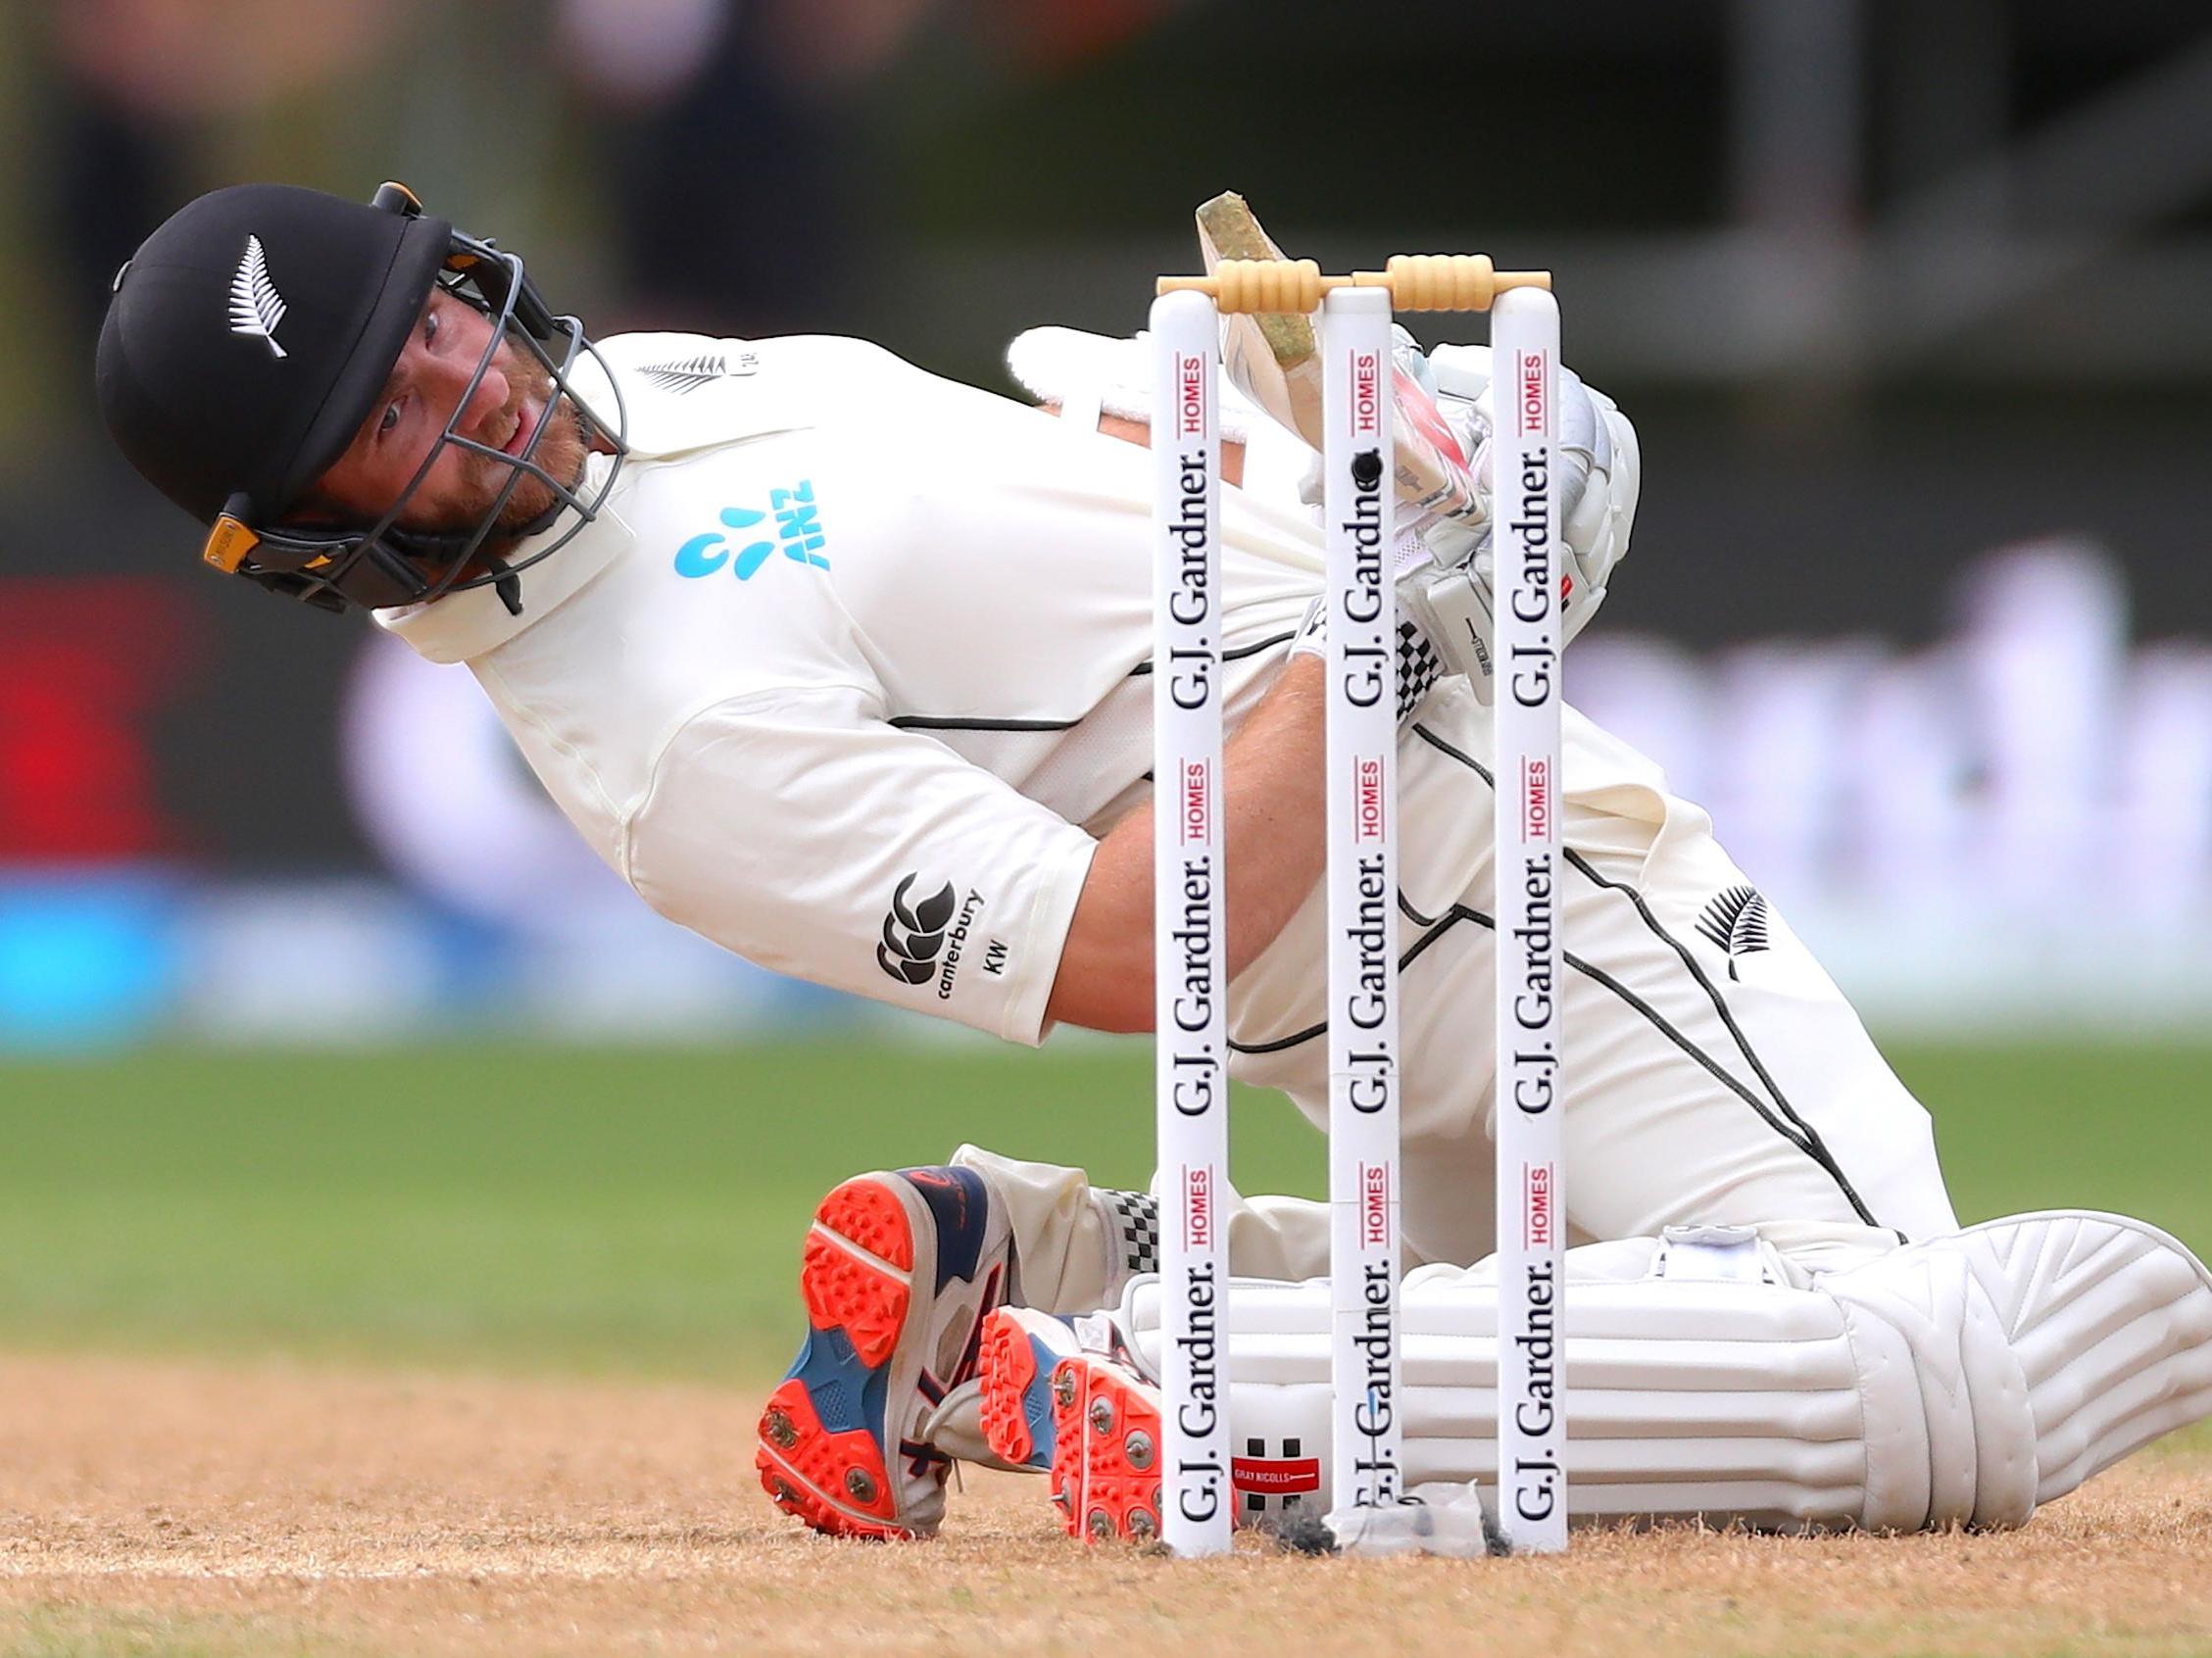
(854,662)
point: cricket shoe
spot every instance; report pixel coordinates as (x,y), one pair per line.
(1068,1398)
(898,1272)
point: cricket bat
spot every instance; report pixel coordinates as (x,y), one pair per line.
(1274,360)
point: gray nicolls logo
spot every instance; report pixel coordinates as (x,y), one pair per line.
(685,376)
(1274,1479)
(256,307)
(1735,921)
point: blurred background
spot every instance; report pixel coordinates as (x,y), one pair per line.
(1909,304)
(320,1031)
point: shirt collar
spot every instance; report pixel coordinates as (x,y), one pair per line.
(464,625)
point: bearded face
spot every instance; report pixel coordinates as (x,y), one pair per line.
(512,420)
(559,452)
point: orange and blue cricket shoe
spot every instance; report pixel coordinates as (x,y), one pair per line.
(1069,1396)
(897,1273)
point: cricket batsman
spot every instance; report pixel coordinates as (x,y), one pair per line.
(846,667)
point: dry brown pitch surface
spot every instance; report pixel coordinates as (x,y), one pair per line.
(173,1507)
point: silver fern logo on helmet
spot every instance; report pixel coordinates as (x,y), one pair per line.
(256,307)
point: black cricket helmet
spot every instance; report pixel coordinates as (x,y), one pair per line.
(249,338)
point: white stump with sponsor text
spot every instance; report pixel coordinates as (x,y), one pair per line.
(1531,1100)
(1361,714)
(1190,981)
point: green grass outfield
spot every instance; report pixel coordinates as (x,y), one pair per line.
(641,1209)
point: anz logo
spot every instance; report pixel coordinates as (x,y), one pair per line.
(798,534)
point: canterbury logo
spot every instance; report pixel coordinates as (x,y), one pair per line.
(256,307)
(686,375)
(1735,921)
(914,933)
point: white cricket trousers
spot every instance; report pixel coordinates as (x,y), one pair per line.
(1714,1073)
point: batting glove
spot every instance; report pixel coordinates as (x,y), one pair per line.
(1422,659)
(1599,481)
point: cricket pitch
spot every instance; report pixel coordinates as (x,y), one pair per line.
(220,1508)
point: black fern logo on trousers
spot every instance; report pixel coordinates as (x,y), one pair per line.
(1735,921)
(913,933)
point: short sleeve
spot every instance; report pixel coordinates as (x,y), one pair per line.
(809,837)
